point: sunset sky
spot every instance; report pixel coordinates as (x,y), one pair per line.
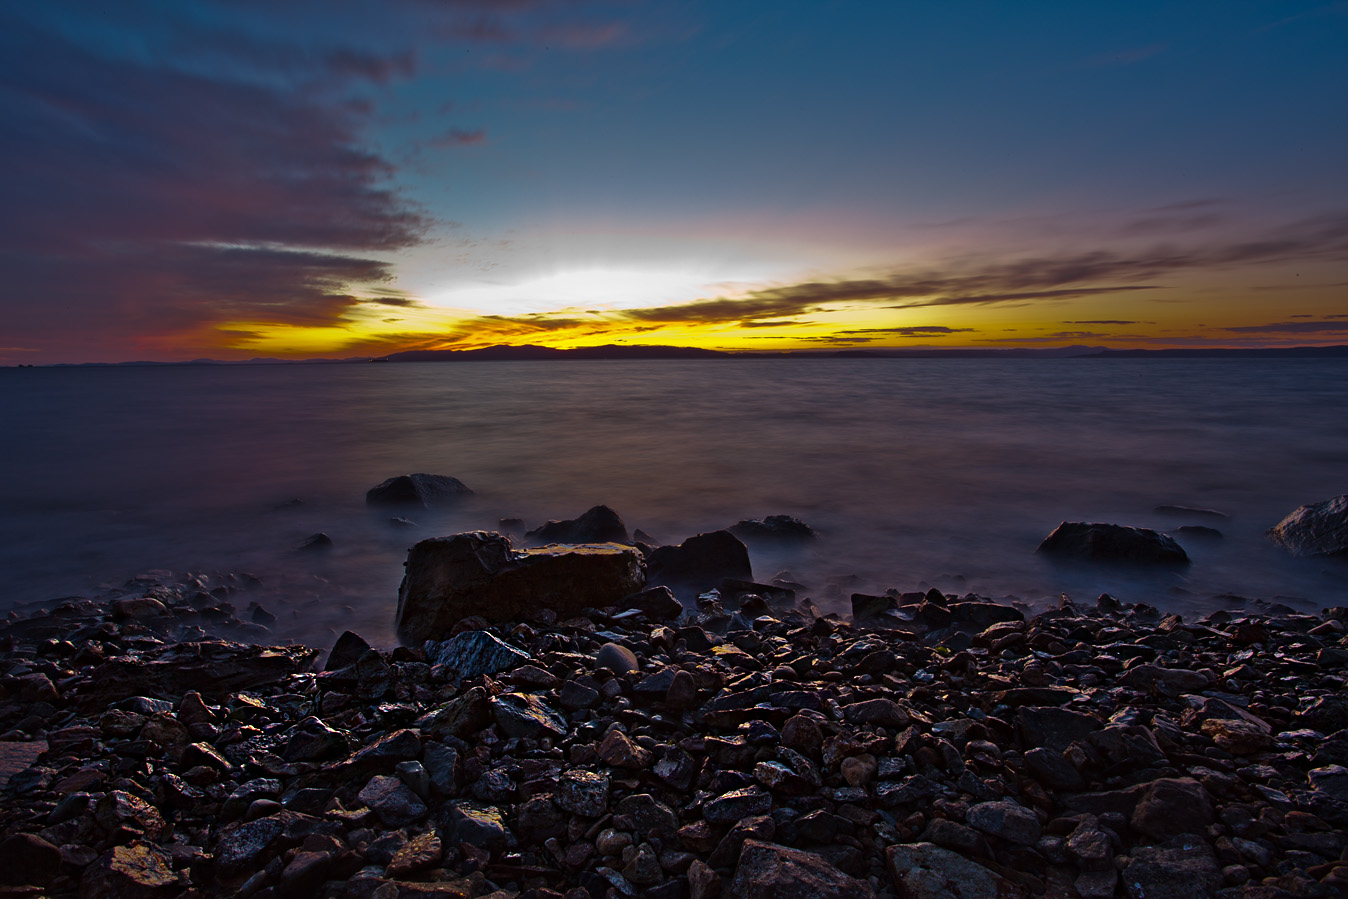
(330,179)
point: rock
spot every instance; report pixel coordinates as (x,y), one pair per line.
(27,858)
(1112,543)
(1237,737)
(620,752)
(1005,820)
(477,573)
(657,604)
(392,800)
(583,793)
(479,825)
(703,882)
(1180,872)
(422,491)
(1332,780)
(770,871)
(618,659)
(1167,681)
(1197,532)
(421,852)
(1326,714)
(682,691)
(1054,728)
(312,740)
(736,804)
(700,562)
(866,607)
(1171,806)
(1190,512)
(474,653)
(598,525)
(525,715)
(1320,529)
(926,871)
(884,712)
(134,871)
(774,528)
(348,649)
(137,607)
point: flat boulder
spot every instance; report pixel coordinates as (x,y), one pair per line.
(598,525)
(700,562)
(479,573)
(774,528)
(421,491)
(1320,529)
(926,871)
(769,871)
(1094,542)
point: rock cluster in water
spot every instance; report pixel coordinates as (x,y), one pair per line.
(938,746)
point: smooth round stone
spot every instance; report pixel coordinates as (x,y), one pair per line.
(618,659)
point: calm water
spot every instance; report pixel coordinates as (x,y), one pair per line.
(944,472)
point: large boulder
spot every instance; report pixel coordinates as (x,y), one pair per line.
(479,573)
(1315,530)
(1095,542)
(598,525)
(700,562)
(421,491)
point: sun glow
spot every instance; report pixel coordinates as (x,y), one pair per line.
(584,288)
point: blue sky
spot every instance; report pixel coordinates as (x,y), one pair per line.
(234,179)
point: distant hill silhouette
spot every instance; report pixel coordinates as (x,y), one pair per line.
(1288,352)
(531,352)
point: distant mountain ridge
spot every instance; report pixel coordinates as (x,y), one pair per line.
(526,352)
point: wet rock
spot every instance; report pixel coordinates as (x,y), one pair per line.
(1320,529)
(700,562)
(474,653)
(736,804)
(312,740)
(316,543)
(773,528)
(1169,681)
(1094,542)
(598,525)
(657,604)
(769,871)
(620,752)
(926,871)
(27,858)
(478,573)
(1332,780)
(348,649)
(421,852)
(524,715)
(884,712)
(134,871)
(583,793)
(421,491)
(392,800)
(1181,871)
(479,825)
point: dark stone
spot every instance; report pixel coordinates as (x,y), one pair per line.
(475,653)
(737,804)
(983,615)
(598,525)
(27,858)
(926,871)
(1095,542)
(1172,806)
(618,659)
(657,604)
(422,491)
(700,562)
(1315,530)
(319,541)
(865,607)
(525,715)
(774,528)
(348,649)
(1054,728)
(478,573)
(770,871)
(1174,872)
(133,871)
(479,825)
(1197,532)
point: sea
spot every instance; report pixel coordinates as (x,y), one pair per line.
(914,472)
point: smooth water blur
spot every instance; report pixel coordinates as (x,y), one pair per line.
(942,472)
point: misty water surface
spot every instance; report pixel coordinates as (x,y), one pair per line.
(940,472)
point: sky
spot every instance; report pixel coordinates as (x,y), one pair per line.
(229,180)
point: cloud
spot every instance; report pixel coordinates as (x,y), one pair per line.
(911,331)
(155,201)
(456,137)
(1300,327)
(1107,321)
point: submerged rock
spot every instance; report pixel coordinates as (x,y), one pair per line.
(598,525)
(1320,529)
(776,528)
(1096,542)
(422,491)
(479,574)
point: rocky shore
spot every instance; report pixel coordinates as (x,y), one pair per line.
(931,746)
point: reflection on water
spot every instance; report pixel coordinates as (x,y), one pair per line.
(947,472)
